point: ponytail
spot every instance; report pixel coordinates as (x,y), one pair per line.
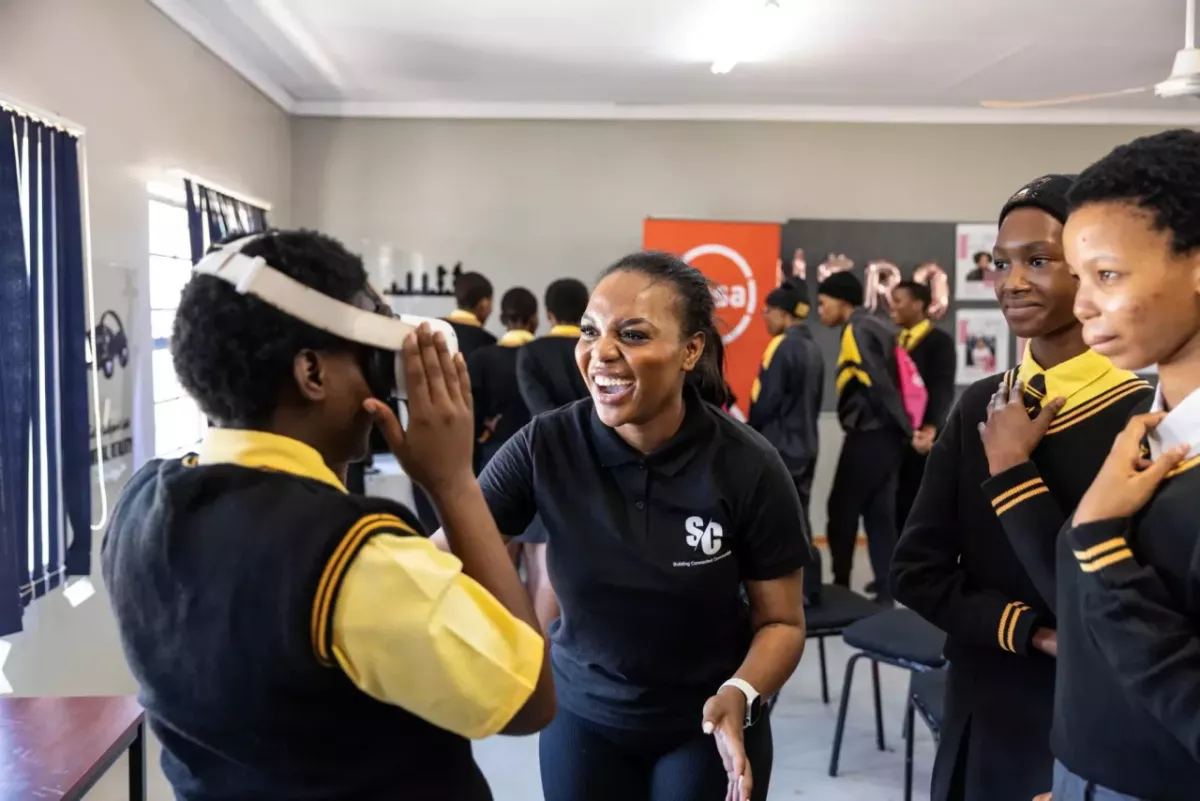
(708,376)
(697,316)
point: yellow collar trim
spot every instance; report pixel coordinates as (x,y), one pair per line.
(1078,380)
(565,331)
(465,317)
(515,339)
(909,337)
(262,451)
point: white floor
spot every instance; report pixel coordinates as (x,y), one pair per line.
(68,651)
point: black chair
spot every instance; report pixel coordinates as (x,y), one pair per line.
(897,637)
(927,698)
(839,608)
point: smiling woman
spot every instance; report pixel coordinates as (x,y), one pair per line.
(659,509)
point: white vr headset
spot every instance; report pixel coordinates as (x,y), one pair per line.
(382,332)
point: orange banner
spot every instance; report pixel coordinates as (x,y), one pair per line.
(742,261)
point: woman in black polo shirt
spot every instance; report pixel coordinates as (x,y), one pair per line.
(660,509)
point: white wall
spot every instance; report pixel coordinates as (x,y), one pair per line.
(151,100)
(528,202)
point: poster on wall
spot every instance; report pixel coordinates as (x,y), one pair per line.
(973,261)
(982,344)
(743,262)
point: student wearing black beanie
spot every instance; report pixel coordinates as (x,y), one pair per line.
(785,400)
(1017,453)
(877,431)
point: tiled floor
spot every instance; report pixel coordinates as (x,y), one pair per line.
(803,733)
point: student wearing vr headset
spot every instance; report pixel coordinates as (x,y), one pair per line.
(292,640)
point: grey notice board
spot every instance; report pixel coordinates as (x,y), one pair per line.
(905,244)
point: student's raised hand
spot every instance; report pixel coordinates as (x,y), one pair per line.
(725,720)
(1044,797)
(1009,436)
(436,448)
(1127,479)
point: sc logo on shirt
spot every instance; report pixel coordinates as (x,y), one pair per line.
(706,537)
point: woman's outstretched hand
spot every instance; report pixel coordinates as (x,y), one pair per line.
(436,448)
(725,720)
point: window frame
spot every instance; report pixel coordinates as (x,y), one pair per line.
(177,200)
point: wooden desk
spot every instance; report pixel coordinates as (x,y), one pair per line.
(56,749)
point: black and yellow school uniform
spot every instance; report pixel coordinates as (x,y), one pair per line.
(932,351)
(954,566)
(785,403)
(547,372)
(500,410)
(877,431)
(470,331)
(1128,598)
(293,641)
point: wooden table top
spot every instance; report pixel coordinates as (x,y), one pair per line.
(50,746)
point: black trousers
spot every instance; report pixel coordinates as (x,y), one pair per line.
(864,487)
(912,468)
(585,761)
(812,574)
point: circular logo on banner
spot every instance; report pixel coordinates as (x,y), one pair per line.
(735,293)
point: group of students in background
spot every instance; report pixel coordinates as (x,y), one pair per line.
(293,639)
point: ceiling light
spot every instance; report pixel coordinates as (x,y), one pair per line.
(749,30)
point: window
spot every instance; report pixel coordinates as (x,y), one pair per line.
(178,422)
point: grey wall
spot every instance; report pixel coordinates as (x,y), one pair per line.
(527,202)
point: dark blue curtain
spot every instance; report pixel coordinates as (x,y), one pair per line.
(75,442)
(15,385)
(218,216)
(45,471)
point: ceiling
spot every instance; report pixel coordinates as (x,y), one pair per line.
(871,60)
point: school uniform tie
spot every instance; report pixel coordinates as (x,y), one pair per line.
(1035,394)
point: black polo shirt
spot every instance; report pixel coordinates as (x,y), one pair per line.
(648,554)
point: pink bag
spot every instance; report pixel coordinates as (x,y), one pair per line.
(913,393)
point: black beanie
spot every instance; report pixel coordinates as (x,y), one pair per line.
(1048,193)
(842,286)
(791,296)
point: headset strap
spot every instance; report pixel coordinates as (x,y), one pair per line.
(251,275)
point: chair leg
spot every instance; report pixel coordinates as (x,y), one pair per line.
(878,706)
(840,728)
(908,747)
(824,673)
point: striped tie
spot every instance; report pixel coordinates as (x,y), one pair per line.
(1035,393)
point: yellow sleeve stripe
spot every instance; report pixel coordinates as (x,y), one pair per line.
(769,352)
(335,568)
(849,353)
(1102,548)
(755,390)
(1017,490)
(1008,625)
(849,372)
(1184,466)
(1105,561)
(1097,404)
(1043,490)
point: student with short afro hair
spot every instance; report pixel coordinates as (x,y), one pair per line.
(290,639)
